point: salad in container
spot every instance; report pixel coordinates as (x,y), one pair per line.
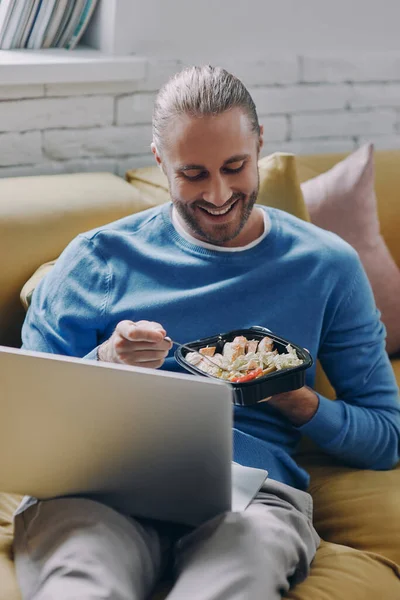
(255,362)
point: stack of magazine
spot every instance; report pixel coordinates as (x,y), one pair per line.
(38,24)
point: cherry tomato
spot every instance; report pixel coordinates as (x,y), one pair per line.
(248,376)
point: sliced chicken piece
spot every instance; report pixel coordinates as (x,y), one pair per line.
(252,346)
(208,350)
(240,342)
(219,359)
(266,345)
(231,352)
(193,358)
(235,348)
(228,351)
(205,366)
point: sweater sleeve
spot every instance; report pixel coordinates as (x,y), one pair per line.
(69,306)
(361,427)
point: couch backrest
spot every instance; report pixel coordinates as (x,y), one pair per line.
(39,216)
(387,186)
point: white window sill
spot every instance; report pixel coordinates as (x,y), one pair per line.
(56,65)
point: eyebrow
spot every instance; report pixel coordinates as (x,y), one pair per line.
(232,159)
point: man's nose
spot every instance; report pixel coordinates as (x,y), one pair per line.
(218,192)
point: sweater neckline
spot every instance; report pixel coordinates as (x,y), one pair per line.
(221,255)
(179,228)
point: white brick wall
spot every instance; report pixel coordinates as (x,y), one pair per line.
(158,72)
(383,142)
(276,129)
(342,124)
(90,89)
(279,71)
(306,104)
(300,98)
(21,91)
(20,148)
(137,108)
(382,95)
(61,144)
(381,67)
(46,113)
(59,167)
(312,146)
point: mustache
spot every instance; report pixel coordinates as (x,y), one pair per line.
(232,200)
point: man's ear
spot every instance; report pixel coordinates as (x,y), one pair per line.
(261,138)
(157,156)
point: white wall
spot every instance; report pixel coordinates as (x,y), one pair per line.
(306,106)
(254,29)
(325,77)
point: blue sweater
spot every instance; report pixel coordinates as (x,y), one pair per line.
(301,282)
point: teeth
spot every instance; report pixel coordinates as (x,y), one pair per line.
(218,212)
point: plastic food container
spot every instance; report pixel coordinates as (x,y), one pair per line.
(251,392)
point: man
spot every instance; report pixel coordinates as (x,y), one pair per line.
(211,261)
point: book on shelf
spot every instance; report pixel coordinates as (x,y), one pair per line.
(72,23)
(29,24)
(54,23)
(23,23)
(13,24)
(41,22)
(65,18)
(6,8)
(37,24)
(82,24)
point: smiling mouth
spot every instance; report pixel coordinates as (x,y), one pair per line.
(218,212)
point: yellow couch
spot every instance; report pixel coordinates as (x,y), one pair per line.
(356,512)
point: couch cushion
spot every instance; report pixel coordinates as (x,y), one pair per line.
(8,584)
(39,216)
(387,185)
(355,507)
(30,285)
(343,200)
(341,573)
(280,186)
(396,367)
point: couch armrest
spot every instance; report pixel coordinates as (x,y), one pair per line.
(39,216)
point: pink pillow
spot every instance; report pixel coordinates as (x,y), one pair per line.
(343,200)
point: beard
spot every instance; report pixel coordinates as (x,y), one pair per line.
(218,235)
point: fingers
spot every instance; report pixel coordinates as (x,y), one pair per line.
(143,346)
(141,331)
(141,343)
(121,344)
(146,358)
(265,399)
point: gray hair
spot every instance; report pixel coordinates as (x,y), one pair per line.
(201,91)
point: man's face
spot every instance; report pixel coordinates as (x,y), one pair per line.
(211,165)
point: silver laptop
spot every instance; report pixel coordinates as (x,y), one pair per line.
(150,443)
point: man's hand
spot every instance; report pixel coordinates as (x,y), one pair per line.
(299,406)
(141,344)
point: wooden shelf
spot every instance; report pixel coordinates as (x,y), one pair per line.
(56,65)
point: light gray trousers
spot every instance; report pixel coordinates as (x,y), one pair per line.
(75,548)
